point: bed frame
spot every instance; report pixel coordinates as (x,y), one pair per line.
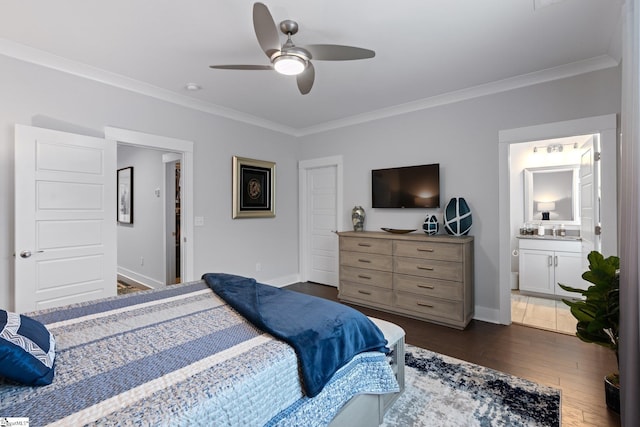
(367,410)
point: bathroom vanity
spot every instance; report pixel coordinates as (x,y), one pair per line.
(547,260)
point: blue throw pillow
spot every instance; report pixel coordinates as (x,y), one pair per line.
(27,350)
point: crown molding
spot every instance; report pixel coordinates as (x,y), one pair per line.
(55,62)
(45,59)
(524,80)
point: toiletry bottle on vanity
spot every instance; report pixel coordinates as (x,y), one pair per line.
(562,231)
(540,230)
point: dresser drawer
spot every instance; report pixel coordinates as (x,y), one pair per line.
(430,306)
(372,246)
(365,293)
(429,287)
(428,250)
(368,261)
(429,268)
(381,279)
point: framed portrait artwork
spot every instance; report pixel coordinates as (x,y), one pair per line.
(125,195)
(253,188)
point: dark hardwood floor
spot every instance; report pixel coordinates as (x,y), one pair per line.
(550,358)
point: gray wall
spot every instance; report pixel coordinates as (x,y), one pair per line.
(33,95)
(463,138)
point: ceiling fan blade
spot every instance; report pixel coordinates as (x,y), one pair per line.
(335,52)
(242,67)
(266,30)
(306,78)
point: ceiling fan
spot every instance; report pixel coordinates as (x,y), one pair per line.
(290,59)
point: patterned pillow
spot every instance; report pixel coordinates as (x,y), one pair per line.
(27,350)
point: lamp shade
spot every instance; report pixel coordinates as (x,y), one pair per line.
(546,206)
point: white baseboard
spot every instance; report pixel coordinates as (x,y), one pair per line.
(140,279)
(280,282)
(486,314)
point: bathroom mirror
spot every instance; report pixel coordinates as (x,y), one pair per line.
(551,195)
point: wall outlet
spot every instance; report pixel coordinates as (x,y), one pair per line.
(258,266)
(141,260)
(198,221)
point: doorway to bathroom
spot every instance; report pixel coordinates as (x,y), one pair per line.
(535,300)
(546,194)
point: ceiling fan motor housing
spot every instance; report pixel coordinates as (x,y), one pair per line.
(289,27)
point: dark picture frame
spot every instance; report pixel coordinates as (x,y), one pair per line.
(253,188)
(125,195)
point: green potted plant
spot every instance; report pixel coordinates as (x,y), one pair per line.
(598,314)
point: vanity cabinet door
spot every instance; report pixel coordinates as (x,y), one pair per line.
(568,266)
(536,271)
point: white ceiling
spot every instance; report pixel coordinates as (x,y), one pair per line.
(428,52)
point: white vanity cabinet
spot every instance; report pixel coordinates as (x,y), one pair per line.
(545,262)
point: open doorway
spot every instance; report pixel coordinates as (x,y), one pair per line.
(166,188)
(604,126)
(149,247)
(546,227)
(173,215)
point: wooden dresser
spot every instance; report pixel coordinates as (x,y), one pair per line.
(425,277)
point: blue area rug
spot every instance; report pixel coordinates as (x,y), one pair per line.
(443,391)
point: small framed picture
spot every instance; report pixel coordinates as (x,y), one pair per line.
(253,188)
(125,195)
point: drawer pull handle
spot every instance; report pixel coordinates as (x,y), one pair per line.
(365,260)
(426,287)
(366,245)
(424,250)
(364,292)
(362,276)
(424,305)
(425,268)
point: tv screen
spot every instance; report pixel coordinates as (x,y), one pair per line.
(406,187)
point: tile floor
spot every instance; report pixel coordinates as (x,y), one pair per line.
(542,313)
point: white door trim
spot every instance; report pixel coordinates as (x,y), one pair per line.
(185,148)
(606,126)
(303,167)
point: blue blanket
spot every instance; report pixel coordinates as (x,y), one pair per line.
(324,334)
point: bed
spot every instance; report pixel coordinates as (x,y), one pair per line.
(183,356)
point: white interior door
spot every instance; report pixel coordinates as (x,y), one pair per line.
(322,225)
(590,198)
(65,218)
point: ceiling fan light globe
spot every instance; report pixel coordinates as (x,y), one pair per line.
(289,65)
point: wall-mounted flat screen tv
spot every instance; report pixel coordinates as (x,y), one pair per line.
(406,187)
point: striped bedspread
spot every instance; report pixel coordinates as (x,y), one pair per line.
(178,356)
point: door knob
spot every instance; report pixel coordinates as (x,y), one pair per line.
(27,253)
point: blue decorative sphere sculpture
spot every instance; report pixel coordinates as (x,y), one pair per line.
(430,225)
(457,217)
